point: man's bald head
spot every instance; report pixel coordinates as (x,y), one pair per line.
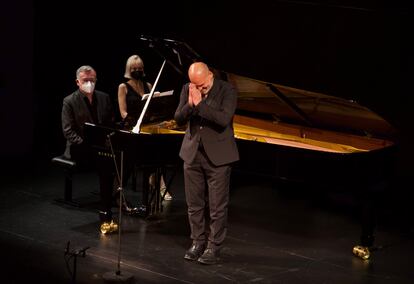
(201,76)
(198,71)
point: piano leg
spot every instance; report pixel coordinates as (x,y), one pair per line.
(154,199)
(368,222)
(167,181)
(369,203)
(157,191)
(134,179)
(151,187)
(145,189)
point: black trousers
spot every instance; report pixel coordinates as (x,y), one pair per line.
(207,196)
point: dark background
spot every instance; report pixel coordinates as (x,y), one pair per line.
(358,50)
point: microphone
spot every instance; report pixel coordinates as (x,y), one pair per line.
(150,40)
(143,38)
(147,38)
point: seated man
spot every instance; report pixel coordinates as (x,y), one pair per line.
(89,105)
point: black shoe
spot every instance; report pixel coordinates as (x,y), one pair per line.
(209,256)
(194,252)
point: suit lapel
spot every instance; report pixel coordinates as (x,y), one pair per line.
(213,95)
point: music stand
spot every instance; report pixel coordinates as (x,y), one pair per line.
(117,276)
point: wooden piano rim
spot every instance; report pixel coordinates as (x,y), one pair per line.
(304,137)
(247,128)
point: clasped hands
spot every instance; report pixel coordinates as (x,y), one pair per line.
(194,95)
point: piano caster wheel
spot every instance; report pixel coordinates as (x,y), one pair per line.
(361,252)
(109,227)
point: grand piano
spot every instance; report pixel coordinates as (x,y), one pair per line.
(286,133)
(289,133)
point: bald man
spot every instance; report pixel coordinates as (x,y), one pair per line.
(208,150)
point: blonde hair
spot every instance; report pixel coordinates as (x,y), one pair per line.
(133,59)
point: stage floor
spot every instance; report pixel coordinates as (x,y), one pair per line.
(277,233)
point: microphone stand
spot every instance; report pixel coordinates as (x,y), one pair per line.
(118,277)
(74,254)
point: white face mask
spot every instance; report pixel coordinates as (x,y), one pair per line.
(88,87)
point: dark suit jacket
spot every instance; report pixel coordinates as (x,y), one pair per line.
(75,113)
(209,123)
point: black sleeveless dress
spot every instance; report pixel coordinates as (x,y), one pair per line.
(134,105)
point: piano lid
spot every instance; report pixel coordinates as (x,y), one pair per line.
(276,104)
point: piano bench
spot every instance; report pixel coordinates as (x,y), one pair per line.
(68,167)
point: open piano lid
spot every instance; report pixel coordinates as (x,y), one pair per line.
(281,103)
(277,114)
(299,118)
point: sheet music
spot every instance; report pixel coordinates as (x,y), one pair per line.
(158,94)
